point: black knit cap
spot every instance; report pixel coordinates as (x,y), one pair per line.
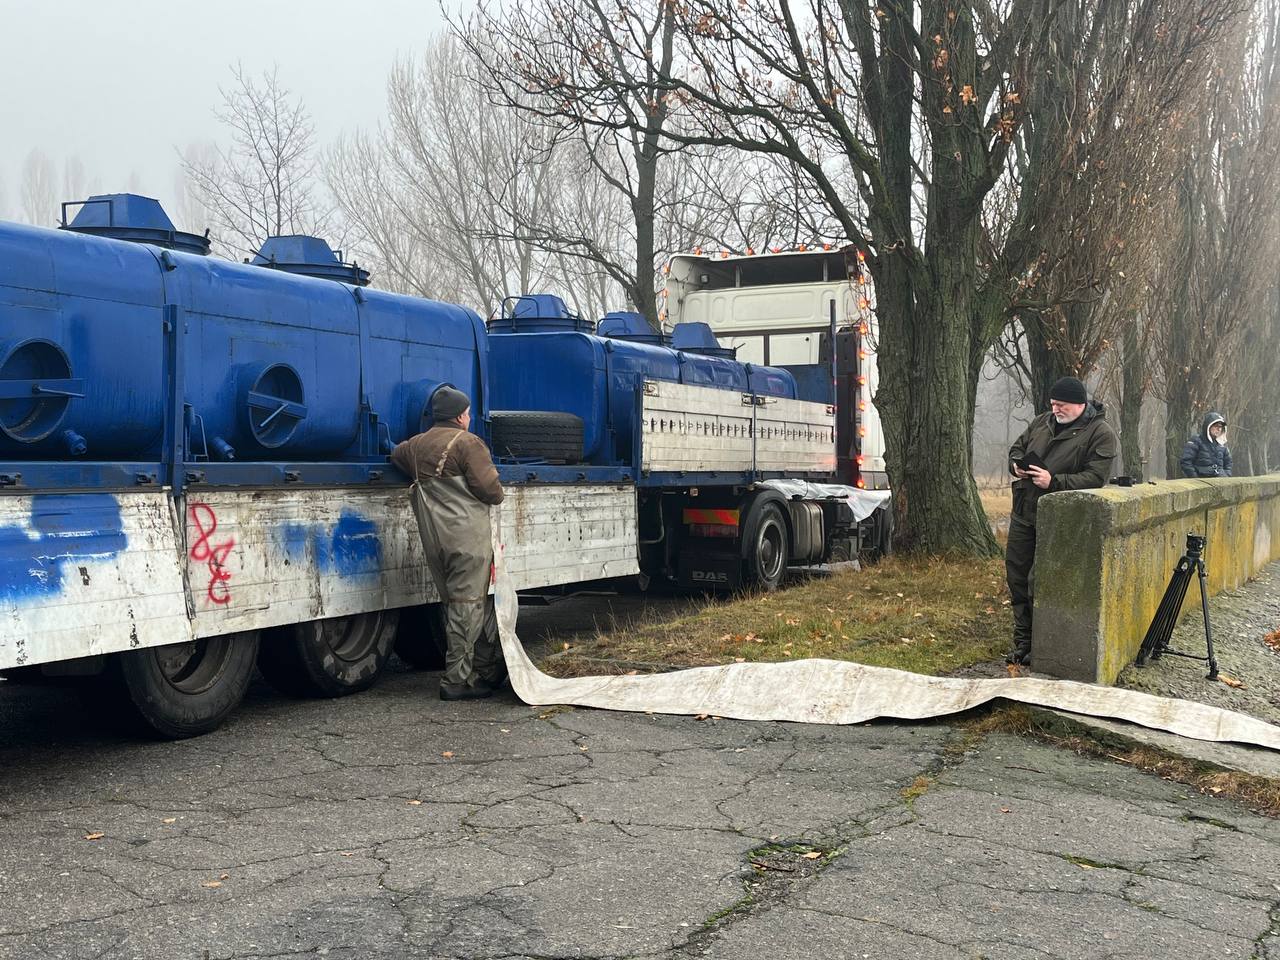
(448,403)
(1069,390)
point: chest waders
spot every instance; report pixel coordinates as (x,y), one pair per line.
(457,541)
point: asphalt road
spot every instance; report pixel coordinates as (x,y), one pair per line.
(393,825)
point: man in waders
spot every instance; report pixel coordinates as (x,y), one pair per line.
(455,483)
(1069,448)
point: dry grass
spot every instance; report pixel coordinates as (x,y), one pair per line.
(998,502)
(927,615)
(1261,794)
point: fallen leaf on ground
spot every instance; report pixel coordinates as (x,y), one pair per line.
(211,884)
(1231,681)
(346,854)
(813,855)
(792,623)
(1005,810)
(448,754)
(414,803)
(702,716)
(169,820)
(1013,669)
(94,836)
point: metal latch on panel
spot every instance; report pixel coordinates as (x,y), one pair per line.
(753,400)
(650,388)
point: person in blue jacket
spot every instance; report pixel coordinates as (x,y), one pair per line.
(1206,454)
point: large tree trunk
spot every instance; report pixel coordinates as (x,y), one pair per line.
(1131,396)
(926,406)
(929,307)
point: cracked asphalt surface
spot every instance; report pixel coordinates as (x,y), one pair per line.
(393,825)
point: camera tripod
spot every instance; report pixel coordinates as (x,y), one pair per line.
(1156,643)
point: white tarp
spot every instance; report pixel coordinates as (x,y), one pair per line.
(836,691)
(863,503)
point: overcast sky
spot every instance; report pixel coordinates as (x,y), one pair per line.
(121,83)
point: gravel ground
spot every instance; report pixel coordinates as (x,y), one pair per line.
(1240,618)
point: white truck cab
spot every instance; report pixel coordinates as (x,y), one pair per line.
(780,309)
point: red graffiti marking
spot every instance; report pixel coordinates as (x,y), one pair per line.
(213,555)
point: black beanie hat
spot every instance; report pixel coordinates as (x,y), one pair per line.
(1069,390)
(448,403)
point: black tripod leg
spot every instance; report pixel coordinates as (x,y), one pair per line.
(1208,630)
(1166,618)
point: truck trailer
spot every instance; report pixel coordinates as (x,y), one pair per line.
(194,477)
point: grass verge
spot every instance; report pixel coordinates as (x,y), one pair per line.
(927,615)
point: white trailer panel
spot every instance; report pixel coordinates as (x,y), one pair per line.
(85,574)
(702,429)
(88,573)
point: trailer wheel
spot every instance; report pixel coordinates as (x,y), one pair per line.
(765,564)
(186,689)
(544,434)
(328,658)
(421,641)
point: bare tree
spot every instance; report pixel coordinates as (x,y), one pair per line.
(77,184)
(1097,159)
(264,182)
(189,212)
(38,194)
(920,106)
(449,198)
(1214,331)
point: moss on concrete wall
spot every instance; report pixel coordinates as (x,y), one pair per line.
(1104,558)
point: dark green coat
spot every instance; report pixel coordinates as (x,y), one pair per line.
(1078,457)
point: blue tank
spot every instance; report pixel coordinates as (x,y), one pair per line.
(289,358)
(542,360)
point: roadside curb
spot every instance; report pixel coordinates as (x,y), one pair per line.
(1255,761)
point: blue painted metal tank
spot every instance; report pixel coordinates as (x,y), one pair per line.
(290,359)
(599,378)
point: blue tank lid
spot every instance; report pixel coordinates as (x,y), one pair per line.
(308,257)
(127,216)
(629,325)
(537,313)
(698,338)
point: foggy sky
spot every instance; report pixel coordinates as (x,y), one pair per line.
(122,83)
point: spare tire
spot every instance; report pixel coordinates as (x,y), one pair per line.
(537,434)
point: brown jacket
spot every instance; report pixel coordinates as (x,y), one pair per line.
(468,457)
(1078,457)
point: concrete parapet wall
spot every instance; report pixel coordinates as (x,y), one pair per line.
(1104,558)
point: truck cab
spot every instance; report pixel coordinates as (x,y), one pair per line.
(790,309)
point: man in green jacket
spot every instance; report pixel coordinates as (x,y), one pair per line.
(1069,448)
(455,484)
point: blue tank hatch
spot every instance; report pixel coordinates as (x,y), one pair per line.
(127,216)
(309,257)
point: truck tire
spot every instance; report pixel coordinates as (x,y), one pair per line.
(880,544)
(765,543)
(328,658)
(421,642)
(539,434)
(185,689)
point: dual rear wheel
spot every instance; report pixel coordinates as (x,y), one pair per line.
(186,689)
